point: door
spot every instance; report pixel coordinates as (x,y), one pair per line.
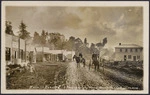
(15,54)
(125,57)
(8,54)
(134,58)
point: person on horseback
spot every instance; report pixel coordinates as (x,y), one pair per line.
(80,55)
(82,60)
(77,61)
(95,61)
(74,57)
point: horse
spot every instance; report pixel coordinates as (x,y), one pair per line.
(79,60)
(95,61)
(74,57)
(83,61)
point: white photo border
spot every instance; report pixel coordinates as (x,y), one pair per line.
(144,4)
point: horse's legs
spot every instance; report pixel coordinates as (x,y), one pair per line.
(89,66)
(95,67)
(98,66)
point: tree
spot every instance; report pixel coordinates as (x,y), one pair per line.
(102,44)
(71,39)
(104,41)
(70,44)
(8,29)
(36,38)
(23,33)
(78,44)
(46,33)
(99,44)
(92,47)
(85,41)
(43,38)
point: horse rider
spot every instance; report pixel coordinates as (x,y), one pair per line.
(74,57)
(82,60)
(95,61)
(78,61)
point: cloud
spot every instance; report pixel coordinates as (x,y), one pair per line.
(118,24)
(56,18)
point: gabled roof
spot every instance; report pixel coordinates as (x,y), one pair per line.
(128,46)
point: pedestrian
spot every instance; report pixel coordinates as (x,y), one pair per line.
(78,61)
(90,64)
(30,58)
(32,69)
(83,61)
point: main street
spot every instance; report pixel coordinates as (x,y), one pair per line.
(66,75)
(83,78)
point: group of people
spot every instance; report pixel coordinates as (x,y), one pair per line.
(94,60)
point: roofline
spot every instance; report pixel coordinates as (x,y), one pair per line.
(129,47)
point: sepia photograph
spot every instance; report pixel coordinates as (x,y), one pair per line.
(75,47)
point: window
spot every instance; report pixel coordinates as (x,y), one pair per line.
(136,50)
(129,56)
(125,50)
(15,54)
(138,57)
(7,54)
(125,57)
(120,50)
(141,49)
(131,50)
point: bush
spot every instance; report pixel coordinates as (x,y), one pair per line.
(14,66)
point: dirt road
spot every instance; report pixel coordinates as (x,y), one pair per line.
(66,75)
(83,78)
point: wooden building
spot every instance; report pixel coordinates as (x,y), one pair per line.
(128,52)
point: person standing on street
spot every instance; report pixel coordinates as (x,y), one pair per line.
(78,61)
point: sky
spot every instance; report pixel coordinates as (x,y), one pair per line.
(119,24)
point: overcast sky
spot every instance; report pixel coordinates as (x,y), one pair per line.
(118,24)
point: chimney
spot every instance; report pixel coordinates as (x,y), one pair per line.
(119,44)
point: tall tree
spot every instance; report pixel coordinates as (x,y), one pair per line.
(46,33)
(43,38)
(92,47)
(23,33)
(57,42)
(71,38)
(36,38)
(104,41)
(70,44)
(8,29)
(85,41)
